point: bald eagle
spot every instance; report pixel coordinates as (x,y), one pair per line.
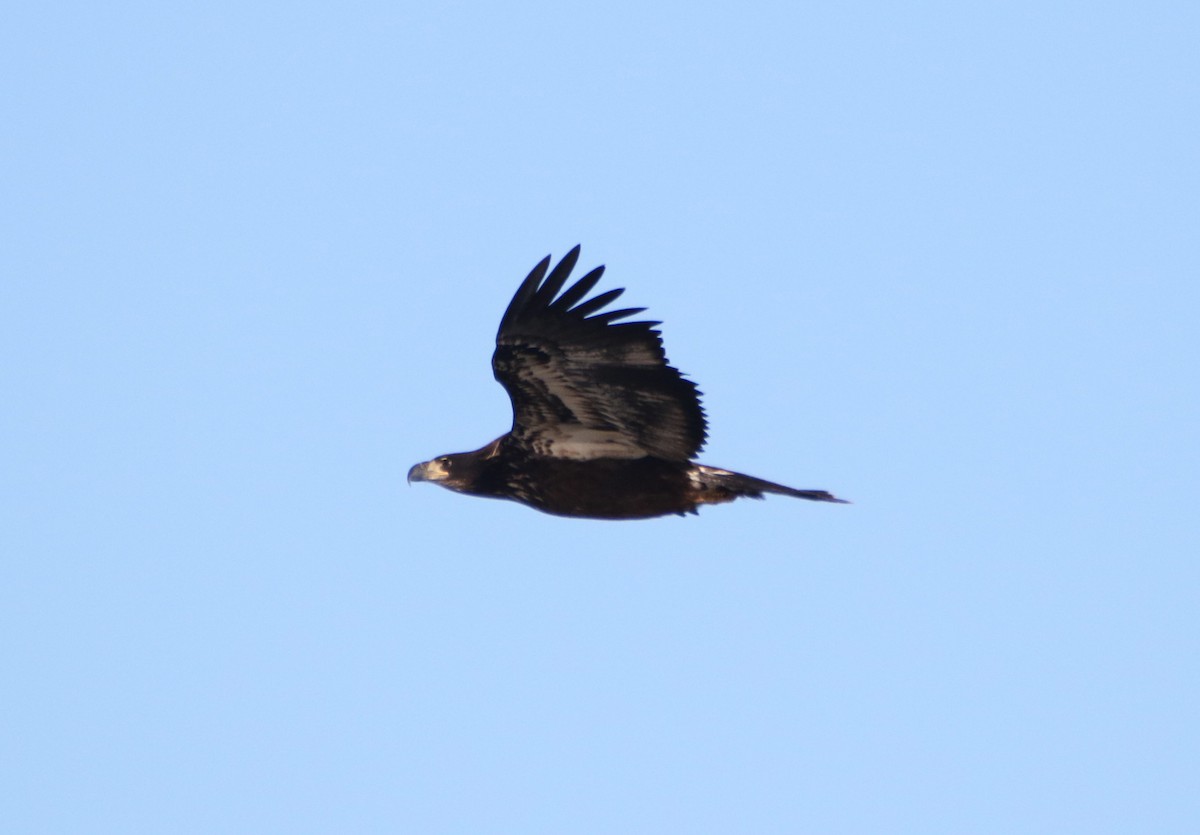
(603,427)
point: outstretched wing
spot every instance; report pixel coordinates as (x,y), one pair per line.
(584,385)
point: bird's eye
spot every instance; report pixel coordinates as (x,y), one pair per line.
(444,461)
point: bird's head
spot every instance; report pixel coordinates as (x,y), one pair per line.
(439,470)
(458,471)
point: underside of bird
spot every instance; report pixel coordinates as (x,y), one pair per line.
(649,487)
(600,488)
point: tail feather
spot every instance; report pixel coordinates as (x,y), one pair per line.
(717,485)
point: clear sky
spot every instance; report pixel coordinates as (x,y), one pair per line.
(939,258)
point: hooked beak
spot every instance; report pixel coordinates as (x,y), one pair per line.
(417,472)
(427,471)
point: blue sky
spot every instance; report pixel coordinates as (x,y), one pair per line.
(938,258)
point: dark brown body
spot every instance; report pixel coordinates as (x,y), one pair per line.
(610,488)
(596,488)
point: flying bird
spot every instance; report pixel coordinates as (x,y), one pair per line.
(603,427)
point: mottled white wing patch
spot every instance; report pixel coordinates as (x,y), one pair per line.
(597,402)
(581,443)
